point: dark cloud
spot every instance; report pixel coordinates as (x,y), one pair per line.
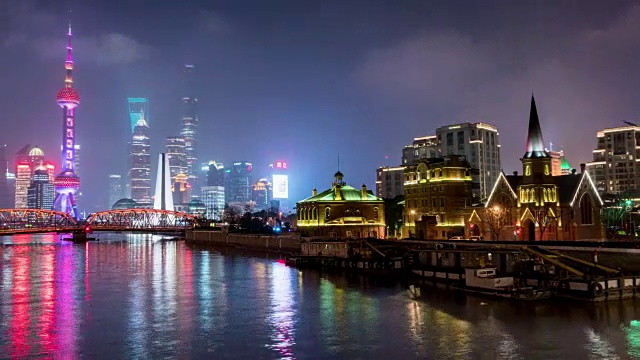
(583,80)
(311,81)
(40,30)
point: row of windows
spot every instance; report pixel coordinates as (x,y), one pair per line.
(312,213)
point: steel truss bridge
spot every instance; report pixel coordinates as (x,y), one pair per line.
(30,221)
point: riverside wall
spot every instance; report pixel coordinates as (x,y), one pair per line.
(282,243)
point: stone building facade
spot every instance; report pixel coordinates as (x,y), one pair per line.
(342,212)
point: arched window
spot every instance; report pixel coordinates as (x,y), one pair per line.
(586,210)
(315,213)
(375,213)
(327,213)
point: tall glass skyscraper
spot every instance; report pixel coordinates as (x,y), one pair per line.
(115,190)
(175,150)
(138,108)
(41,192)
(141,164)
(238,183)
(189,130)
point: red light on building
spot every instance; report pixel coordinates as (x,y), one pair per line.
(280,164)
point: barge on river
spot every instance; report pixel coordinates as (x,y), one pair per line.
(537,272)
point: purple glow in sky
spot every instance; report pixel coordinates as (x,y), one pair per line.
(310,81)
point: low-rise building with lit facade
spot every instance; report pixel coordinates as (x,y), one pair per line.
(537,205)
(342,212)
(440,188)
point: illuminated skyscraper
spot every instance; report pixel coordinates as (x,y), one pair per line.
(67,183)
(115,190)
(141,164)
(189,130)
(29,159)
(175,150)
(41,192)
(238,183)
(212,195)
(261,194)
(23,181)
(138,108)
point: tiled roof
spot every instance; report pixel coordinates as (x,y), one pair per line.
(347,192)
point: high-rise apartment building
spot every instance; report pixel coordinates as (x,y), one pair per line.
(138,108)
(189,131)
(422,148)
(238,183)
(390,181)
(41,192)
(480,144)
(615,168)
(141,164)
(175,150)
(115,190)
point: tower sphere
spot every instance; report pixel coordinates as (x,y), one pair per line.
(68,97)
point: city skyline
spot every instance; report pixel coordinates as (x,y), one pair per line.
(373,81)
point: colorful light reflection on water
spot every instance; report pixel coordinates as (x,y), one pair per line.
(141,297)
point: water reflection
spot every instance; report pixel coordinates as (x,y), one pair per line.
(150,298)
(282,312)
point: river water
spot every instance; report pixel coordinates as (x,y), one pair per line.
(138,297)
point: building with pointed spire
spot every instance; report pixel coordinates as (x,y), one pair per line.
(67,183)
(342,212)
(537,205)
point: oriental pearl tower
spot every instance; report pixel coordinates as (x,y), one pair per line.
(67,183)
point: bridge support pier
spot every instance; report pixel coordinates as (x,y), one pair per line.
(79,236)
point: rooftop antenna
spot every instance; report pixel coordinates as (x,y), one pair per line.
(338,162)
(629,123)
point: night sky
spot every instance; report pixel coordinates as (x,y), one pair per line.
(311,81)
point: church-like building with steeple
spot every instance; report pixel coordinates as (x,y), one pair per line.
(536,205)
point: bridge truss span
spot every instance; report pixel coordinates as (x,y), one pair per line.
(140,220)
(35,220)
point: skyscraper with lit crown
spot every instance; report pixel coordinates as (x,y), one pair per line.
(141,163)
(67,183)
